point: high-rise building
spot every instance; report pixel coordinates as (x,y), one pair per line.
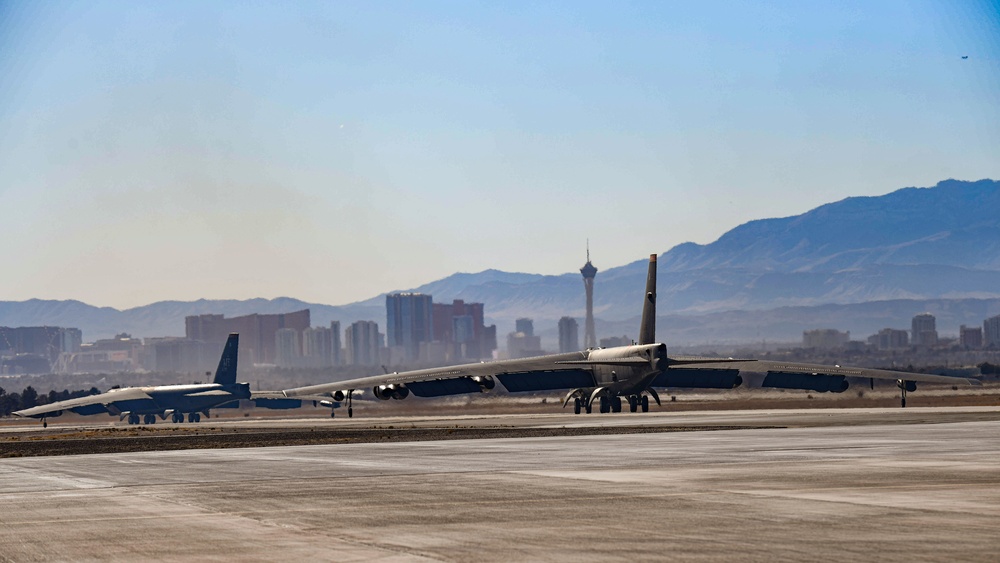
(257,332)
(44,341)
(589,273)
(287,347)
(568,338)
(409,321)
(362,343)
(616,341)
(521,345)
(317,347)
(336,348)
(991,331)
(451,325)
(524,325)
(970,337)
(924,330)
(825,338)
(889,339)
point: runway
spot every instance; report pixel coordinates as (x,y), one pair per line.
(859,486)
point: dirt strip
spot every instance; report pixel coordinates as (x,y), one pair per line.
(76,443)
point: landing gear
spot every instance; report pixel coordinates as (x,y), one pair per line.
(149,419)
(904,386)
(193,417)
(616,404)
(133,419)
(645,403)
(605,405)
(177,417)
(350,404)
(45,423)
(577,406)
(633,403)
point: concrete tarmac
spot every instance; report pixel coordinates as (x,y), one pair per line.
(890,489)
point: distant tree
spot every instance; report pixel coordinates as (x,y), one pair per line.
(29,398)
(10,403)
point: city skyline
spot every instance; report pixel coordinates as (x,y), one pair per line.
(164,151)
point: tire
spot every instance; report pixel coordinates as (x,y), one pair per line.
(616,404)
(576,406)
(645,403)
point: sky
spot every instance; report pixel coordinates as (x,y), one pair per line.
(332,151)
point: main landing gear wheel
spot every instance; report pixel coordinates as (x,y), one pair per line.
(645,403)
(589,408)
(605,405)
(633,403)
(576,406)
(133,419)
(616,404)
(149,419)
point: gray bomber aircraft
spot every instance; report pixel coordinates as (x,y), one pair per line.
(163,400)
(607,376)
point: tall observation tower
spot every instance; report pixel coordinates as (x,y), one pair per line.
(589,272)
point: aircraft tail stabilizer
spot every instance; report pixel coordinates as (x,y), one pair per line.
(647,330)
(226,372)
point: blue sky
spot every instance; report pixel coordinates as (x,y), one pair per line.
(331,151)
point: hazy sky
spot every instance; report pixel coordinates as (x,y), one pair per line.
(331,151)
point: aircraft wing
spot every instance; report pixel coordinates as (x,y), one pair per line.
(276,400)
(530,374)
(767,366)
(92,404)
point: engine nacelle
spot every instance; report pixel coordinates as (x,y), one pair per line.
(808,382)
(339,396)
(907,385)
(396,391)
(485,382)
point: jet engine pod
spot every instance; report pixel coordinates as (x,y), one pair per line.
(339,396)
(908,385)
(485,382)
(396,391)
(809,382)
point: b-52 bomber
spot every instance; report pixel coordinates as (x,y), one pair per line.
(610,377)
(175,401)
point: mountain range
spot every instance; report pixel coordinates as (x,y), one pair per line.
(914,249)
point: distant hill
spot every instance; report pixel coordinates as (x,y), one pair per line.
(913,245)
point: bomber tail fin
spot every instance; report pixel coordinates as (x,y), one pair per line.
(226,372)
(647,330)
